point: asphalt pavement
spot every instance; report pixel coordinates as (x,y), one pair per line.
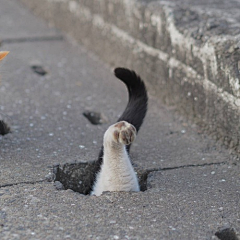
(193,185)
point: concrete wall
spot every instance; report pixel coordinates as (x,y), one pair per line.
(188,52)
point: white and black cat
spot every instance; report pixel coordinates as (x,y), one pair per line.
(115,169)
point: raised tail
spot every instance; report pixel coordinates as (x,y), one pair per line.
(136,108)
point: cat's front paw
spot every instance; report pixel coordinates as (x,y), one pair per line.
(123,132)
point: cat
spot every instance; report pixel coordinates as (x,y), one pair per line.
(115,171)
(4,128)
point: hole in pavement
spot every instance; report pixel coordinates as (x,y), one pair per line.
(95,118)
(39,70)
(226,234)
(80,176)
(4,128)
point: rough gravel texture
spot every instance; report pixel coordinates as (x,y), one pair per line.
(193,183)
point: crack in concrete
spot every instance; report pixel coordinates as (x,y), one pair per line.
(31,39)
(145,173)
(19,183)
(142,175)
(183,166)
(191,165)
(80,176)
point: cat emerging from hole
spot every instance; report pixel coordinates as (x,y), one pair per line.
(116,172)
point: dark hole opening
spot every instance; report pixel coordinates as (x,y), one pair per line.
(80,176)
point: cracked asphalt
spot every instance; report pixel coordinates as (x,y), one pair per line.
(192,192)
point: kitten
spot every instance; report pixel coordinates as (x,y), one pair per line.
(115,169)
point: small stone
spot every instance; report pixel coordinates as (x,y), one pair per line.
(58,185)
(222,180)
(4,128)
(39,70)
(50,177)
(231,49)
(237,102)
(226,233)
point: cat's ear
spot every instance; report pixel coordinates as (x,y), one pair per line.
(3,54)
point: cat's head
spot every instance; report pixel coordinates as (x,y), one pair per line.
(3,54)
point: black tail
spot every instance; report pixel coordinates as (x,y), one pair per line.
(136,109)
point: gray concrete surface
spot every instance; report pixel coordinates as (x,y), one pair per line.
(16,23)
(188,51)
(193,187)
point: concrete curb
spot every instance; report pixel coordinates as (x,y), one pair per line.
(191,59)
